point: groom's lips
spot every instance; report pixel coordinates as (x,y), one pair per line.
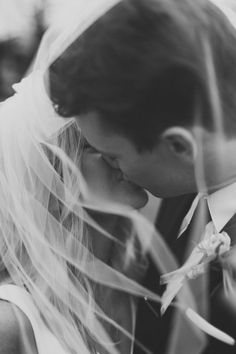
(123,178)
(138,190)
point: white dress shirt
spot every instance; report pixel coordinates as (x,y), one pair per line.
(221,204)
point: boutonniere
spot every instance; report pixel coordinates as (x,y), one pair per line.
(213,246)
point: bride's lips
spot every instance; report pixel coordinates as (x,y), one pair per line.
(133,192)
(123,178)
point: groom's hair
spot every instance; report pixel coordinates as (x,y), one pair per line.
(150,64)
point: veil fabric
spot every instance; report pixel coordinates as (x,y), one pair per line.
(44,207)
(42,216)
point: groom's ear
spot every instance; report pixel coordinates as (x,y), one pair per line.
(181,143)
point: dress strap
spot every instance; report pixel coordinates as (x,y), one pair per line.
(45,340)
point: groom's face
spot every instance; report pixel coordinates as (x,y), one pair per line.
(158,171)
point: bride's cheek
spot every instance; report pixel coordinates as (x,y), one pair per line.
(89,165)
(96,173)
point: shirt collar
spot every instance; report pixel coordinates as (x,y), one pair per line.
(221,204)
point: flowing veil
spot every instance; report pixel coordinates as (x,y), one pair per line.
(45,204)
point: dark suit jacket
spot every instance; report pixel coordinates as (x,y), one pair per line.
(153,331)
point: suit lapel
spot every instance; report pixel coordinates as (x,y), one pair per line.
(230,228)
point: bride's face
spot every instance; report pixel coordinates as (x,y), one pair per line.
(107,184)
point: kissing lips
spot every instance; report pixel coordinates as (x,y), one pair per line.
(123,178)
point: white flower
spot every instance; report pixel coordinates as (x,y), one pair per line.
(215,245)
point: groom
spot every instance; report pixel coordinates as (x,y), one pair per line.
(153,83)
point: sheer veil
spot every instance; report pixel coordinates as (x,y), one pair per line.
(45,201)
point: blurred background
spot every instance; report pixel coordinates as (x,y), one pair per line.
(22,24)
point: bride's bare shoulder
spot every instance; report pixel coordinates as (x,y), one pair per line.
(16,333)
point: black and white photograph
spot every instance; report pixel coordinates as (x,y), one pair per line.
(117,176)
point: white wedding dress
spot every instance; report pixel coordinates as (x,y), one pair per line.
(46,341)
